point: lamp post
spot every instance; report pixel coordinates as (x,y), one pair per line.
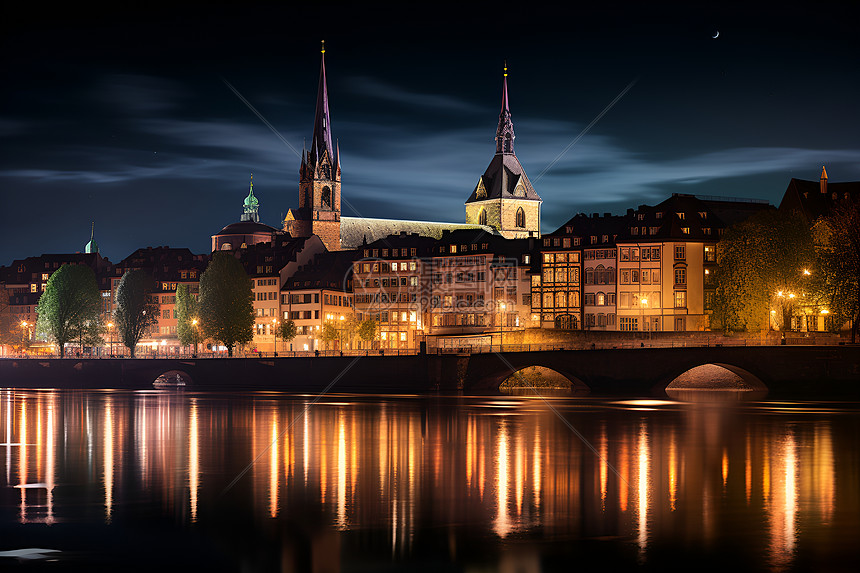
(24,325)
(502,329)
(643,303)
(275,333)
(194,325)
(110,331)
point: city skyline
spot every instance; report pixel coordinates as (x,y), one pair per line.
(132,122)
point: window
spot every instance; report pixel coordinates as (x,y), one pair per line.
(655,253)
(680,216)
(521,217)
(685,230)
(680,252)
(566,242)
(628,324)
(482,217)
(710,254)
(680,276)
(680,299)
(625,254)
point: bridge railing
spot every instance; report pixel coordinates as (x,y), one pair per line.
(695,340)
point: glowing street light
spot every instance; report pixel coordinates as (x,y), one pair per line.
(24,333)
(110,330)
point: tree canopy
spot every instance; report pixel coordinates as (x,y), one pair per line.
(186,314)
(837,242)
(761,269)
(135,312)
(367,330)
(70,304)
(226,302)
(287,330)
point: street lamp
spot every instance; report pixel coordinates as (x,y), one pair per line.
(275,333)
(24,325)
(502,330)
(643,305)
(194,325)
(110,330)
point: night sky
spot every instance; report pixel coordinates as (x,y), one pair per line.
(124,115)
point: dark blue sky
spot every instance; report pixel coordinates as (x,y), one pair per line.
(122,115)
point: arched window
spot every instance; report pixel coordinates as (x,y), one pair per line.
(226,246)
(600,275)
(520,191)
(482,217)
(610,276)
(521,217)
(326,197)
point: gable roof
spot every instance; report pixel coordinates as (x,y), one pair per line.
(501,178)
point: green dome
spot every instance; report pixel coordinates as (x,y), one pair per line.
(91,247)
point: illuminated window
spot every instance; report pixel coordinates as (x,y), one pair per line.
(680,299)
(521,217)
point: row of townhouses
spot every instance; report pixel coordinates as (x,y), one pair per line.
(652,269)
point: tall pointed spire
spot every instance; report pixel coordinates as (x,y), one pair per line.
(92,246)
(322,123)
(251,205)
(823,181)
(505,132)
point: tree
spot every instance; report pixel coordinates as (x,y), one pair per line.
(287,330)
(226,302)
(10,329)
(328,332)
(349,328)
(71,302)
(367,330)
(837,242)
(186,315)
(91,334)
(135,312)
(761,269)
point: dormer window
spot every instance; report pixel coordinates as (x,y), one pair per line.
(658,214)
(680,216)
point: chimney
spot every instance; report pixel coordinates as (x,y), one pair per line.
(823,181)
(595,215)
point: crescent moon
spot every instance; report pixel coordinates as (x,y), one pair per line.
(717,35)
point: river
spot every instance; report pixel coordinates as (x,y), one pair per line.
(116,480)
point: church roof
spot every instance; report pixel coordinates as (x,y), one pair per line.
(501,180)
(245,228)
(355,231)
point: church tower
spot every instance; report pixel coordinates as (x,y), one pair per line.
(92,246)
(319,179)
(504,198)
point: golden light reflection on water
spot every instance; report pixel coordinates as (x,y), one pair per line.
(398,465)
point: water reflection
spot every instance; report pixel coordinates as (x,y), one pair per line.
(651,474)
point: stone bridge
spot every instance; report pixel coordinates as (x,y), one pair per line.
(782,370)
(779,369)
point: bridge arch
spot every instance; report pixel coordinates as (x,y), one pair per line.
(172,379)
(533,376)
(715,375)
